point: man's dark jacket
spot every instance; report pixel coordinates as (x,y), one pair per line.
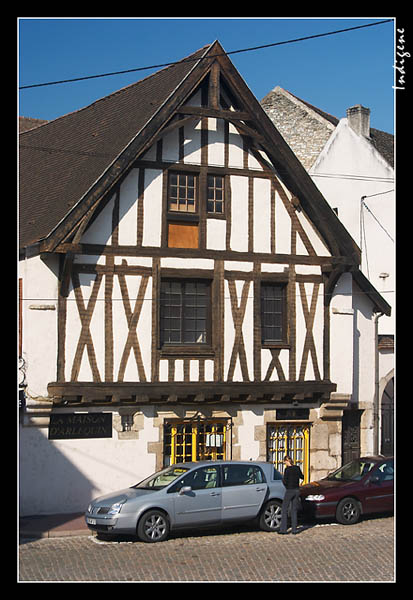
(292,476)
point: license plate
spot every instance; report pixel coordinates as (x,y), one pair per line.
(90,521)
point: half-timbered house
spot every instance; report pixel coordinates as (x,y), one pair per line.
(186,291)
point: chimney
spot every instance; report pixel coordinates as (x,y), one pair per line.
(359,119)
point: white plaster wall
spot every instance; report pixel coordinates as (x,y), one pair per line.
(121,330)
(248,327)
(250,447)
(152,208)
(313,235)
(100,231)
(192,144)
(341,335)
(266,358)
(236,152)
(63,476)
(229,331)
(187,263)
(128,209)
(216,234)
(170,146)
(39,327)
(262,215)
(366,173)
(364,348)
(239,213)
(96,327)
(247,331)
(282,227)
(317,331)
(216,138)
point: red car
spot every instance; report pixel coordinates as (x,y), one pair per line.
(362,486)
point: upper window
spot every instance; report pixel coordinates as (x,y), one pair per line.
(184,306)
(215,198)
(273,327)
(182,192)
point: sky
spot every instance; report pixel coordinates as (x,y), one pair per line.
(332,73)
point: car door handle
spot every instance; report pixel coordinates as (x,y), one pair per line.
(259,489)
(214,494)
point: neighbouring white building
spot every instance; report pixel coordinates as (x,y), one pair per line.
(352,165)
(186,293)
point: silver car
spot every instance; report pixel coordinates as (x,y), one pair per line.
(192,495)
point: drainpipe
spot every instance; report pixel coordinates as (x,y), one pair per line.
(376,317)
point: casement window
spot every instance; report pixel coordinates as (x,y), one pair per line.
(184,312)
(188,205)
(182,193)
(215,195)
(273,314)
(183,210)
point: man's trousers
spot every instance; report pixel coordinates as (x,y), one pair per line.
(291,497)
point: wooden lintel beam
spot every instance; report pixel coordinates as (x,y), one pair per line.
(201,111)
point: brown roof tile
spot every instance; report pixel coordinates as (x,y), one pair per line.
(61,160)
(26,123)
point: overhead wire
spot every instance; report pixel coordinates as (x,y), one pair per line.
(249,49)
(167,64)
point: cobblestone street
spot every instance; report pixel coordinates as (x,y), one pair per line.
(330,552)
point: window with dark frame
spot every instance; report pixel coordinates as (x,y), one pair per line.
(215,194)
(273,328)
(182,193)
(184,310)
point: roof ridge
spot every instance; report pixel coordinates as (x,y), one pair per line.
(161,70)
(122,89)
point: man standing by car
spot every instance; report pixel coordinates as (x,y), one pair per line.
(291,480)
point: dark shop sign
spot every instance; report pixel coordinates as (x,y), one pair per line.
(80,426)
(293,413)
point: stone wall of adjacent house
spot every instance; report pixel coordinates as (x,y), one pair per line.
(306,134)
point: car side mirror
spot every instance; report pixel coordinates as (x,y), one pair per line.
(185,490)
(375,479)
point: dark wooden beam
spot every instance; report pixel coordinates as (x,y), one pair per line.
(200,111)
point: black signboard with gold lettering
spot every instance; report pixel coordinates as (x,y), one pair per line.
(80,426)
(293,413)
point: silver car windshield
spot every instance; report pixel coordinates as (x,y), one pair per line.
(161,479)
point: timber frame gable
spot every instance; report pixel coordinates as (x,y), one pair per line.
(213,70)
(228,259)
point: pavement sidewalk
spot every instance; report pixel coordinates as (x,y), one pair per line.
(40,526)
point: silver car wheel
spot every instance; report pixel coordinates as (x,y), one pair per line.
(272,516)
(155,527)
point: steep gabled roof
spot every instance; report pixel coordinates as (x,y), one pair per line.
(69,164)
(62,159)
(26,123)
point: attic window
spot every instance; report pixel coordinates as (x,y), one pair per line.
(183,217)
(215,201)
(182,192)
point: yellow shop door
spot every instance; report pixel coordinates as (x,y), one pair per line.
(191,441)
(292,439)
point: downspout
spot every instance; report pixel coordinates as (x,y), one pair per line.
(376,317)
